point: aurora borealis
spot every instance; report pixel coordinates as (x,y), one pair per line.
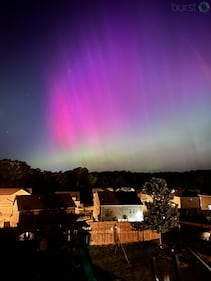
(106,85)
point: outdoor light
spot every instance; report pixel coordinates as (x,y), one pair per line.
(139,216)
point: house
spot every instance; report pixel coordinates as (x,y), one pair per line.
(117,205)
(205,206)
(125,188)
(186,199)
(75,197)
(205,202)
(188,203)
(148,198)
(7,208)
(38,210)
(144,197)
(193,205)
(190,200)
(177,196)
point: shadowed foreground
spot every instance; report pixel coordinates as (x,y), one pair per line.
(147,260)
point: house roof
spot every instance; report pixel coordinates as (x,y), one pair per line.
(118,198)
(186,193)
(28,220)
(97,189)
(179,192)
(189,193)
(74,193)
(205,195)
(125,188)
(10,190)
(41,202)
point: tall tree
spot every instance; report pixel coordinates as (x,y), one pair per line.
(162,214)
(14,173)
(80,177)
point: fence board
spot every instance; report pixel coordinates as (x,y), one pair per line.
(102,233)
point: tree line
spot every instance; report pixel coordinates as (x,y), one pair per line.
(14,173)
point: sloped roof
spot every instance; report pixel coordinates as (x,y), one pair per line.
(28,220)
(189,193)
(179,192)
(10,190)
(118,198)
(125,188)
(204,195)
(186,193)
(41,202)
(74,193)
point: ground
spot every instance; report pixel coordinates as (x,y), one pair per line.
(146,260)
(140,261)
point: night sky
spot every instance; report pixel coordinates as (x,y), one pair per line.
(106,85)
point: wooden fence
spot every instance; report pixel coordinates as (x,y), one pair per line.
(102,233)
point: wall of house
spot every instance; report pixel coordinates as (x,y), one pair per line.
(177,200)
(8,210)
(70,210)
(205,202)
(190,202)
(144,198)
(96,206)
(128,212)
(15,215)
(76,198)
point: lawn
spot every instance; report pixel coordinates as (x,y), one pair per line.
(110,263)
(136,264)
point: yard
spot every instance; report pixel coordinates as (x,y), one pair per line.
(110,263)
(123,262)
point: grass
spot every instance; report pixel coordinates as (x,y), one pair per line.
(111,265)
(111,260)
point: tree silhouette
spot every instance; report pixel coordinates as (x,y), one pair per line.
(162,214)
(14,173)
